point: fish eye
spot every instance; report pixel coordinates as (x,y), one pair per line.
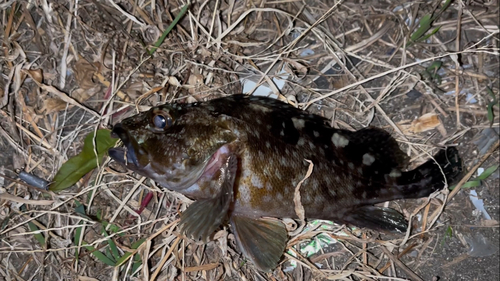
(162,120)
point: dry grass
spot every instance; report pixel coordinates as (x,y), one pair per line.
(69,67)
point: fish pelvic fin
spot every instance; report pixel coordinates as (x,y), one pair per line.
(262,241)
(203,217)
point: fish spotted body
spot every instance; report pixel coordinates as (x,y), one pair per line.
(241,157)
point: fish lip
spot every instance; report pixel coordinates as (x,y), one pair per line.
(124,155)
(114,135)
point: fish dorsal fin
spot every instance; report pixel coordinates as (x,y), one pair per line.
(203,217)
(262,241)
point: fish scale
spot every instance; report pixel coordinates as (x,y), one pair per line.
(241,158)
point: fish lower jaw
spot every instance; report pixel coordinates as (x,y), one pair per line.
(123,156)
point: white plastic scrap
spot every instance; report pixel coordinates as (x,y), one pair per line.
(478,203)
(263,90)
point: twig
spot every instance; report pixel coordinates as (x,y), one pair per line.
(472,171)
(457,64)
(401,265)
(164,260)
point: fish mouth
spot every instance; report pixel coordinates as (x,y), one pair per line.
(124,155)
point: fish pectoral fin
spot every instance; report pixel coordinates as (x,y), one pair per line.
(379,218)
(203,217)
(262,241)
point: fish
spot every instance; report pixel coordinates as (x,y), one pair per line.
(241,158)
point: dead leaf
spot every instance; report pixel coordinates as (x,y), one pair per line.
(82,95)
(209,266)
(36,74)
(204,52)
(51,105)
(106,83)
(290,224)
(299,209)
(191,99)
(66,98)
(424,123)
(219,234)
(195,79)
(489,223)
(173,81)
(84,73)
(442,130)
(194,82)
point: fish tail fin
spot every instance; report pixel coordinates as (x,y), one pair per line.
(445,167)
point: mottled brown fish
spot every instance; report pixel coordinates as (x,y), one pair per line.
(241,158)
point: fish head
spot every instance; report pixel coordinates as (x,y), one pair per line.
(173,144)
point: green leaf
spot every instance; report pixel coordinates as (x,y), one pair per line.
(445,6)
(425,25)
(469,184)
(137,263)
(99,215)
(484,175)
(32,227)
(5,223)
(425,37)
(435,66)
(112,245)
(80,209)
(472,183)
(169,28)
(137,243)
(39,237)
(76,167)
(100,256)
(477,181)
(121,260)
(431,71)
(93,251)
(449,232)
(125,256)
(76,239)
(112,227)
(491,115)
